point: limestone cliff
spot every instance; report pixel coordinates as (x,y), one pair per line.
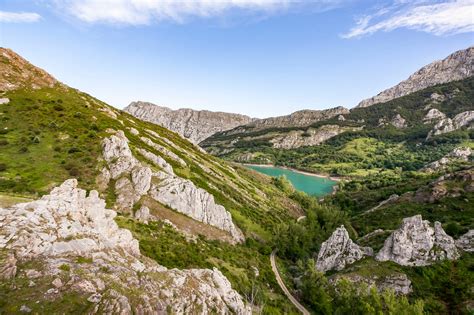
(457,66)
(194,125)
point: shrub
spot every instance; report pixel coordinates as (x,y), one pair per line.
(58,107)
(3,167)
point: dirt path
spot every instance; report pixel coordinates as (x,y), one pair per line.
(283,287)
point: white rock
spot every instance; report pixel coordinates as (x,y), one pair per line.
(143,214)
(416,243)
(339,251)
(398,122)
(141,179)
(466,242)
(459,154)
(4,100)
(448,125)
(433,115)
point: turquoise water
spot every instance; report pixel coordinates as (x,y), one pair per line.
(312,185)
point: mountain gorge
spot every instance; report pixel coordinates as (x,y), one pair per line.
(108,211)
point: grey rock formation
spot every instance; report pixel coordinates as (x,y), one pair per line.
(466,242)
(416,243)
(464,119)
(191,124)
(457,66)
(298,138)
(4,100)
(57,229)
(433,115)
(398,122)
(458,154)
(143,214)
(183,196)
(339,251)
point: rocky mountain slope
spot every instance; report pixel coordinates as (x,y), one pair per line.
(194,125)
(178,202)
(457,66)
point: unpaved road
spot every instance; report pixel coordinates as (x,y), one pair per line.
(283,287)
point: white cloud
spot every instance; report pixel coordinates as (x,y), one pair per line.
(18,17)
(438,18)
(142,12)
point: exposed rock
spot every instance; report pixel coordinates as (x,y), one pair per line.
(67,224)
(458,154)
(183,196)
(341,118)
(416,243)
(29,76)
(141,179)
(25,309)
(339,251)
(164,150)
(116,152)
(191,124)
(143,214)
(466,242)
(398,122)
(433,115)
(397,282)
(448,125)
(4,100)
(7,266)
(157,160)
(457,66)
(298,138)
(126,194)
(134,131)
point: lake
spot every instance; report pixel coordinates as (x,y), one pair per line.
(312,185)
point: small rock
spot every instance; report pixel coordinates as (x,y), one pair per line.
(95,298)
(57,283)
(4,100)
(25,309)
(32,274)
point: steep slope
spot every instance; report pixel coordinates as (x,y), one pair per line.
(194,125)
(457,66)
(201,212)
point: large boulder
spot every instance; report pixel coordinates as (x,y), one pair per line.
(466,242)
(416,243)
(339,251)
(433,115)
(464,119)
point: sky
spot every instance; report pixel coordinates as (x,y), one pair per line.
(261,58)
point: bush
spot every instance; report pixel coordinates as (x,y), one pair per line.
(3,167)
(58,107)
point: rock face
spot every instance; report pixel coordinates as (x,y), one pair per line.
(416,243)
(466,242)
(457,66)
(29,76)
(183,196)
(458,154)
(433,115)
(67,224)
(298,138)
(191,124)
(339,251)
(464,119)
(134,180)
(398,122)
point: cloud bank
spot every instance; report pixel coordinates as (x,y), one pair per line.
(19,17)
(435,17)
(143,12)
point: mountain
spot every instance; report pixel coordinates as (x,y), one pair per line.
(457,66)
(119,215)
(194,125)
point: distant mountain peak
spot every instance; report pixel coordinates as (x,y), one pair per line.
(195,125)
(457,66)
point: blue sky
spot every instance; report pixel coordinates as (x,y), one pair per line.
(257,57)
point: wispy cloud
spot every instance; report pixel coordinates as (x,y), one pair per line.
(143,12)
(435,17)
(19,17)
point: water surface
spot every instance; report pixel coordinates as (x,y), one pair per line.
(312,185)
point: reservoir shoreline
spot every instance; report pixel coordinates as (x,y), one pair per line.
(336,179)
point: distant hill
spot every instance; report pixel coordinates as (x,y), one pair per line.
(194,125)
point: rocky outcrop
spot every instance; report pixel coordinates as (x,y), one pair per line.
(457,66)
(433,115)
(398,122)
(313,136)
(464,119)
(4,100)
(183,196)
(416,243)
(458,154)
(466,242)
(191,124)
(67,225)
(339,251)
(134,180)
(397,282)
(11,78)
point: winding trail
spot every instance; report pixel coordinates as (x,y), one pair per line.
(283,287)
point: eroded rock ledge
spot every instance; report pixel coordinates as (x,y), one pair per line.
(68,225)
